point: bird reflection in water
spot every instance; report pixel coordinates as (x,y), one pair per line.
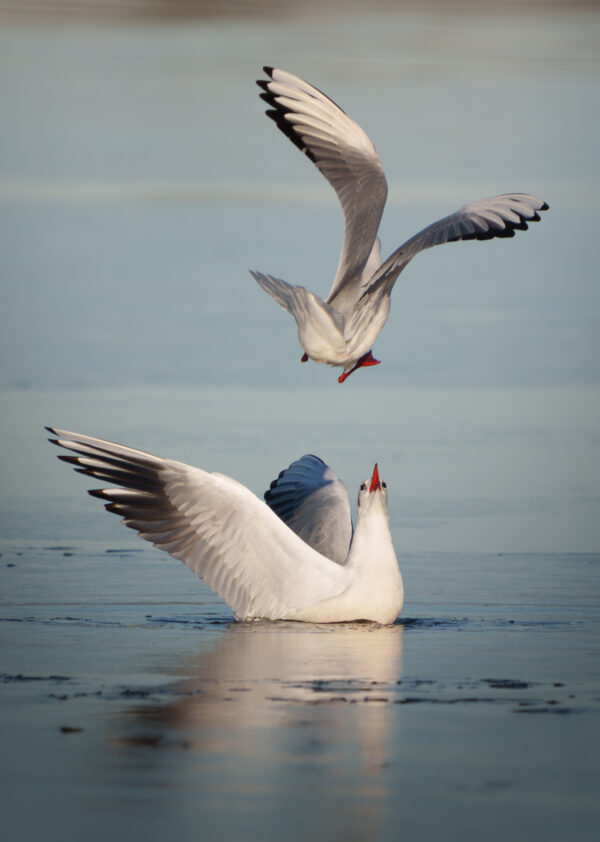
(283,711)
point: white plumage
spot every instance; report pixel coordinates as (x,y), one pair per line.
(340,330)
(294,559)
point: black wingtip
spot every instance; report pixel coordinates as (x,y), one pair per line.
(64,457)
(262,83)
(545,206)
(507,233)
(97,492)
(51,430)
(114,509)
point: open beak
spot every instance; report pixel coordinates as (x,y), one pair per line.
(375,483)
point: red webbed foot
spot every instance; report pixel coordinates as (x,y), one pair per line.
(366,360)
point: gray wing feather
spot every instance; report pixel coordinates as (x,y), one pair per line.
(345,155)
(499,216)
(218,528)
(312,501)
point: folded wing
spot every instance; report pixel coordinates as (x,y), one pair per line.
(310,498)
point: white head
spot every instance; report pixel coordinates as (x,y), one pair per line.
(372,494)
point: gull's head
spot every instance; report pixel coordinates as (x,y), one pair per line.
(372,493)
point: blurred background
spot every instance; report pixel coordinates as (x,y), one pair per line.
(140,180)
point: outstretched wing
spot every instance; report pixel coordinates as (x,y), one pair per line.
(499,216)
(218,528)
(310,498)
(344,154)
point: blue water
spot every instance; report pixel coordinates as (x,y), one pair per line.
(139,181)
(130,700)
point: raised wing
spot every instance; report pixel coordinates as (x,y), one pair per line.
(344,154)
(218,528)
(499,216)
(310,498)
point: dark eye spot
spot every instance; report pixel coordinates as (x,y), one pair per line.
(363,486)
(383,485)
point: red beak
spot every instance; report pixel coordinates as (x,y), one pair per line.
(375,484)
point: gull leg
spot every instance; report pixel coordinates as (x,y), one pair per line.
(366,360)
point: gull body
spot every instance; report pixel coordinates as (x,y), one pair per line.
(293,556)
(341,329)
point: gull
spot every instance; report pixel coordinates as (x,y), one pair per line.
(293,556)
(341,329)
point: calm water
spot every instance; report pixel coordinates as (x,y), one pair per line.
(135,707)
(139,180)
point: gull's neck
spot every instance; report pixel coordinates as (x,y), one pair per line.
(372,545)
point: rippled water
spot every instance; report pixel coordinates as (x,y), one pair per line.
(139,181)
(135,702)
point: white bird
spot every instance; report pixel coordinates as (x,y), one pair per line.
(341,329)
(294,557)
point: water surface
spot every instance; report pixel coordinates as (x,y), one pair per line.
(139,180)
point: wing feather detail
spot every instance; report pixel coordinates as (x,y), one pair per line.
(310,498)
(345,155)
(232,540)
(485,219)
